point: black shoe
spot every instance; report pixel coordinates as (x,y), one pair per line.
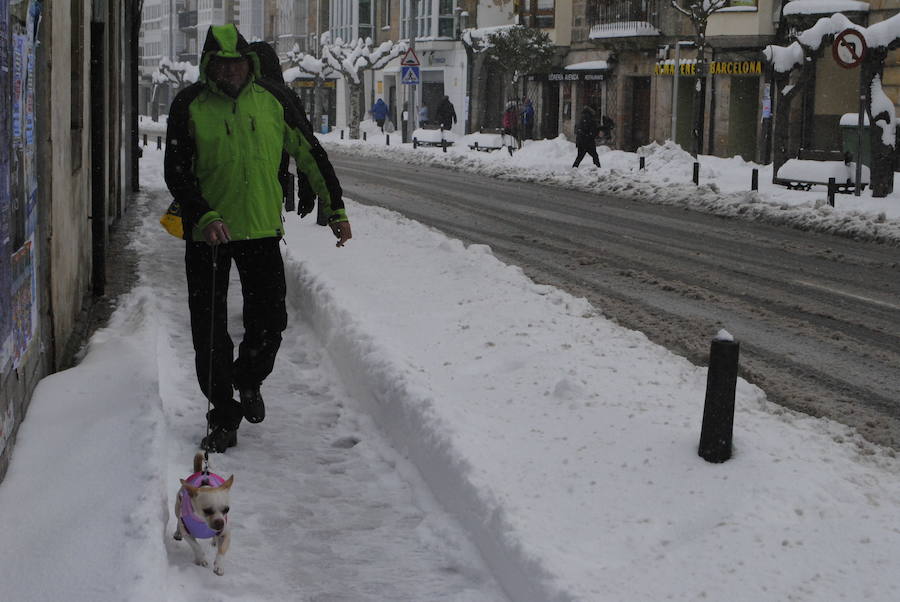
(252,404)
(219,440)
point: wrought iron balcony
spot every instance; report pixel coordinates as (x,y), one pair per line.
(623,18)
(187,20)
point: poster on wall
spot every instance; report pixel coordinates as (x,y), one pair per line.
(18,87)
(5,199)
(22,300)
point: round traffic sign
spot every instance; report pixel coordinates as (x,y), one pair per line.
(849,48)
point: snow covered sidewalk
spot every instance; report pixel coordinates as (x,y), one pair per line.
(564,445)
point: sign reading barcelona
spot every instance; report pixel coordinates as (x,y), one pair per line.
(715,68)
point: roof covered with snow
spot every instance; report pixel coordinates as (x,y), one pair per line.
(824,7)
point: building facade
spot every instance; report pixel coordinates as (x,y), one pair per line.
(69,130)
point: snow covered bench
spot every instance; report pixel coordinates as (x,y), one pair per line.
(433,137)
(487,140)
(802,174)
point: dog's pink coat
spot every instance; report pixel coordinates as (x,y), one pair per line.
(194,524)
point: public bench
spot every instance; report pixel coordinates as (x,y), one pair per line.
(487,140)
(813,167)
(433,136)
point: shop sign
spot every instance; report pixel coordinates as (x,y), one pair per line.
(575,76)
(714,67)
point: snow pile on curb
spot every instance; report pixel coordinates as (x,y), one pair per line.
(724,183)
(567,446)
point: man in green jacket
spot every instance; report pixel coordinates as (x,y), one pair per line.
(225,137)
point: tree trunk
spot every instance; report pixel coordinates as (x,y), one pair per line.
(355,92)
(882,156)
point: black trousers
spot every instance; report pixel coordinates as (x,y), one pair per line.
(261,270)
(587,150)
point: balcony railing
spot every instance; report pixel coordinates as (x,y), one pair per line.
(623,18)
(187,19)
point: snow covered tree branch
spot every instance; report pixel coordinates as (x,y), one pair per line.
(348,60)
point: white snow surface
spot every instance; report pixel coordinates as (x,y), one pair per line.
(563,445)
(724,182)
(823,7)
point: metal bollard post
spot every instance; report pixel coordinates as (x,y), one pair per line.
(642,164)
(158,142)
(718,409)
(145,139)
(696,173)
(364,136)
(754,179)
(342,134)
(832,186)
(387,139)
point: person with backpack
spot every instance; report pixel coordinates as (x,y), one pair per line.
(270,69)
(224,141)
(586,137)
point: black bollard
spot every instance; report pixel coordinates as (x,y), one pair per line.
(342,134)
(754,179)
(718,409)
(364,136)
(832,186)
(145,139)
(642,164)
(696,173)
(158,142)
(387,139)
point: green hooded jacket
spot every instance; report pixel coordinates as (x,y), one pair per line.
(223,153)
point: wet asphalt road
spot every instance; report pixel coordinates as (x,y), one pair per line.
(817,315)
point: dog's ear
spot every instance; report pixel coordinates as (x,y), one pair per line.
(192,491)
(227,484)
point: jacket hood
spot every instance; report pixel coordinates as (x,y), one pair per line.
(226,42)
(269,65)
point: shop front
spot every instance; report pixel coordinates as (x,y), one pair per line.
(734,103)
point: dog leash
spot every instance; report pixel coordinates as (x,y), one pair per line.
(212,334)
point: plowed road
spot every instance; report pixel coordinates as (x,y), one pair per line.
(817,316)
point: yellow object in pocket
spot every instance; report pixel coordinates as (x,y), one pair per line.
(171,220)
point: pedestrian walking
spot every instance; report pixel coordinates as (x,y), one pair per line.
(224,142)
(270,69)
(380,113)
(510,123)
(586,137)
(446,114)
(527,119)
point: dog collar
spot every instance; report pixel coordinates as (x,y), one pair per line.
(195,524)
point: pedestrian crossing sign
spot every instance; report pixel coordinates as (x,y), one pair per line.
(410,75)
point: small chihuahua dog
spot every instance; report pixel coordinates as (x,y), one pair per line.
(201,509)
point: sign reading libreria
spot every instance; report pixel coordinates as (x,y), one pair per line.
(715,68)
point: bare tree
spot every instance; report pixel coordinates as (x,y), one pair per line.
(699,11)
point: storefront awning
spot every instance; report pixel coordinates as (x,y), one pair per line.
(589,66)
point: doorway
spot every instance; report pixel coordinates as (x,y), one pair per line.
(639,132)
(742,117)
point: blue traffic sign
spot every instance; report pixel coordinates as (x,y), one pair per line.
(410,75)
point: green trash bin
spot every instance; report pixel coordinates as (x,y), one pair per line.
(850,137)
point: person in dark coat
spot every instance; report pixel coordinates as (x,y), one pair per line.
(528,119)
(446,114)
(586,137)
(270,69)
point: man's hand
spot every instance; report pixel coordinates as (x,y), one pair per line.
(216,233)
(342,232)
